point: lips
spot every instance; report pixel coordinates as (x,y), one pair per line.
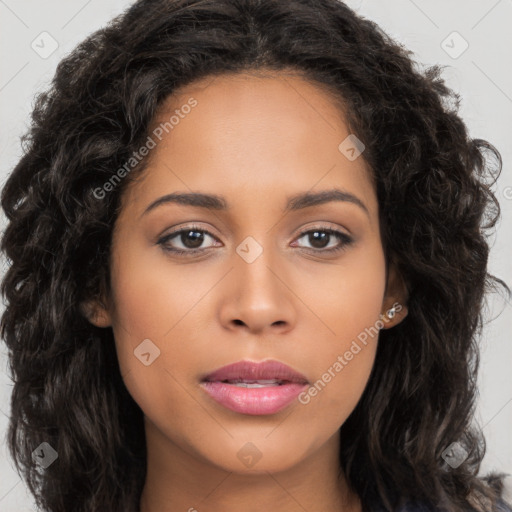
(248,371)
(253,388)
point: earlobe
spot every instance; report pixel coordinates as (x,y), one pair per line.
(96,312)
(394,315)
(395,301)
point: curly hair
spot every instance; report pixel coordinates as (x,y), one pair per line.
(433,184)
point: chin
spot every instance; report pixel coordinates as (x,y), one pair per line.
(259,456)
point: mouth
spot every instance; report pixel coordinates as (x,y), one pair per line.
(253,388)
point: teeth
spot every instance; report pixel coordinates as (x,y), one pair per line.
(254,383)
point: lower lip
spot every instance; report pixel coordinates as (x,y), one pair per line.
(256,401)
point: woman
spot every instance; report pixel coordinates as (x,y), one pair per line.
(248,264)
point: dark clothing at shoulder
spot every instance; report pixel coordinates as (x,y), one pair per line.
(502,506)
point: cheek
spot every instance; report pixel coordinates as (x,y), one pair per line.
(343,370)
(341,364)
(156,310)
(150,294)
(347,296)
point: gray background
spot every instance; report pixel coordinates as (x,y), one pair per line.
(482,74)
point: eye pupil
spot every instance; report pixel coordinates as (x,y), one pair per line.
(319,236)
(197,239)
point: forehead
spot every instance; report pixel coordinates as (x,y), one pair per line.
(252,94)
(260,133)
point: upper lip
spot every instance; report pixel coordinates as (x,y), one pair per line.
(251,371)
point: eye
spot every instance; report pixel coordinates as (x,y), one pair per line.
(321,237)
(191,239)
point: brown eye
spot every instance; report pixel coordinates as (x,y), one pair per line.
(195,238)
(320,239)
(187,241)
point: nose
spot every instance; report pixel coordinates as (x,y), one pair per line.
(259,298)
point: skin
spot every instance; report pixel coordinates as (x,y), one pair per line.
(255,140)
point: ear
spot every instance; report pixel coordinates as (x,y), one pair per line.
(394,305)
(96,312)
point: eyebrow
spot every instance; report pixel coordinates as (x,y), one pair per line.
(294,203)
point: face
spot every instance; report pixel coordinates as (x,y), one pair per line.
(253,276)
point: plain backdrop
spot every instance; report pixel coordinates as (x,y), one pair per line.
(471,38)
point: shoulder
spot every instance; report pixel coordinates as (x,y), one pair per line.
(501,506)
(504,503)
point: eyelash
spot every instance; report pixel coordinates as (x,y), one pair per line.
(344,239)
